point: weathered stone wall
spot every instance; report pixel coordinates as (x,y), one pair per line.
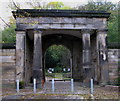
(7,57)
(113,59)
(7,62)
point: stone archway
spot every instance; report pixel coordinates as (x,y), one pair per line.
(89,27)
(74,44)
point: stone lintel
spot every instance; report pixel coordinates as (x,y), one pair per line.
(37,31)
(102,31)
(20,31)
(87,31)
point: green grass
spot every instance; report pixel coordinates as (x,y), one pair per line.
(57,75)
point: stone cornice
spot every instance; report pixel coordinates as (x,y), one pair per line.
(59,13)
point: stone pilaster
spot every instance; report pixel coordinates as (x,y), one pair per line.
(37,58)
(102,56)
(20,55)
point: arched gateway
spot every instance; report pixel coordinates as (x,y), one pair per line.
(84,33)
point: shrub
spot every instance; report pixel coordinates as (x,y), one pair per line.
(22,84)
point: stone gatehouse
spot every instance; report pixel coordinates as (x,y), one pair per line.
(84,33)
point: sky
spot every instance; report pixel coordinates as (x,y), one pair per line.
(5,11)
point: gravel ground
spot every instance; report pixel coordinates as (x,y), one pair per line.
(61,92)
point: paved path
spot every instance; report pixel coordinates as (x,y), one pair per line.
(62,91)
(62,87)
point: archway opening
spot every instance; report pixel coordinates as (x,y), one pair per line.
(57,63)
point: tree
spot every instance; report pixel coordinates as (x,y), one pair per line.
(14,5)
(113,29)
(0,35)
(98,5)
(57,56)
(8,34)
(56,5)
(11,20)
(39,5)
(36,5)
(50,5)
(104,5)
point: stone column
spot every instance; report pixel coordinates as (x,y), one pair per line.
(86,55)
(37,58)
(102,56)
(76,61)
(71,67)
(20,55)
(43,59)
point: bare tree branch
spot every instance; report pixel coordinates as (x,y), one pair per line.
(5,22)
(14,5)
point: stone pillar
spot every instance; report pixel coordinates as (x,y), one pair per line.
(37,58)
(20,55)
(102,56)
(86,55)
(43,68)
(28,60)
(71,66)
(77,61)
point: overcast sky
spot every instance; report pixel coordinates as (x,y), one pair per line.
(5,11)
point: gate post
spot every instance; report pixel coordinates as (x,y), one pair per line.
(20,55)
(37,58)
(102,57)
(86,55)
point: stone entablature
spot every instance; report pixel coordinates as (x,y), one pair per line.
(54,20)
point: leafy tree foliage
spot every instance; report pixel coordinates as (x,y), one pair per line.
(113,35)
(98,5)
(50,5)
(0,35)
(57,56)
(104,5)
(56,5)
(8,35)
